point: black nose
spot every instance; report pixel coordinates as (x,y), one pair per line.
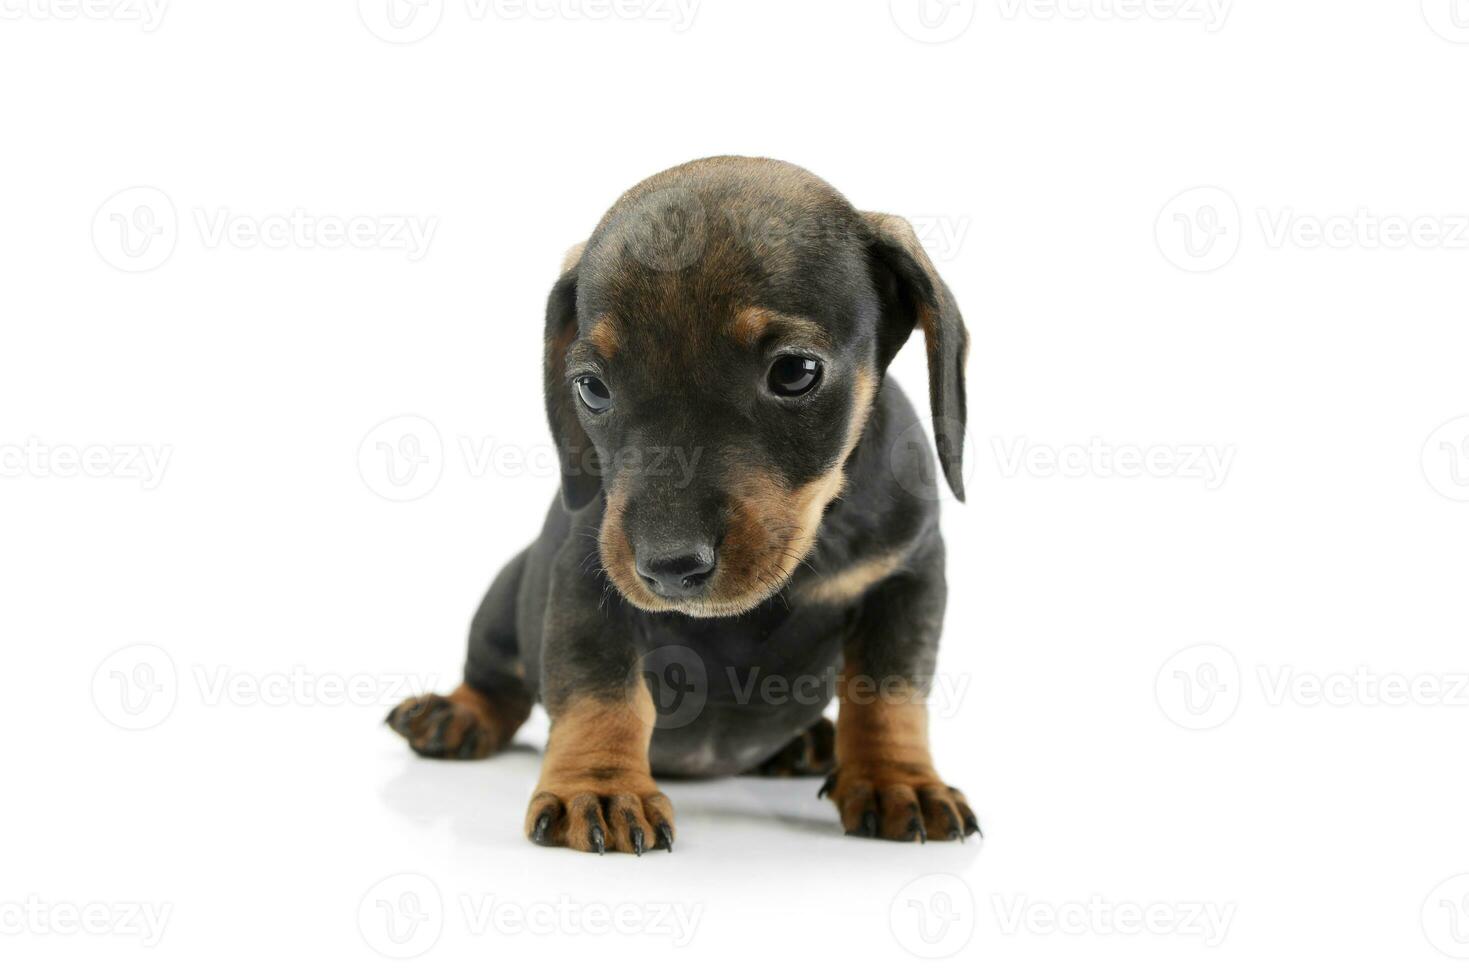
(677,572)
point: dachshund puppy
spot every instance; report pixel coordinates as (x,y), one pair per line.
(748,518)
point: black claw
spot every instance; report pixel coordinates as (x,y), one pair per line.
(637,841)
(868,826)
(542,832)
(597,839)
(665,837)
(435,744)
(470,745)
(389,719)
(971,826)
(913,830)
(827,786)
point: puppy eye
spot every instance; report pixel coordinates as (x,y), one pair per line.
(593,394)
(794,375)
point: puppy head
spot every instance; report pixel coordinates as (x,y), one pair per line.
(712,354)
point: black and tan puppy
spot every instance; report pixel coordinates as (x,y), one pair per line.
(747,511)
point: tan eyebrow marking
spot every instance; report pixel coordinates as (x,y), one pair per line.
(753,323)
(603,338)
(578,352)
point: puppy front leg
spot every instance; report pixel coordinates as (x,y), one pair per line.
(885,784)
(596,792)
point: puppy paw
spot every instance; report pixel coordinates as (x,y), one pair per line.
(598,815)
(904,804)
(810,753)
(463,725)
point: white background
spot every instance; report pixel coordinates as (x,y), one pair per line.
(1044,153)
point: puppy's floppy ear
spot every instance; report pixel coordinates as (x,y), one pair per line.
(580,482)
(912,293)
